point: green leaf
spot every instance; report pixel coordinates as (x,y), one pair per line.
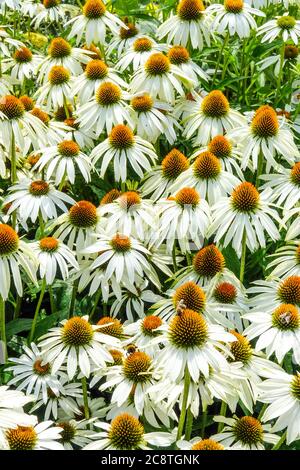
(17,326)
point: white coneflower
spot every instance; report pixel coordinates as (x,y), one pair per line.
(143,331)
(155,413)
(124,258)
(183,218)
(93,23)
(291,55)
(97,409)
(83,137)
(207,177)
(286,262)
(133,378)
(6,42)
(252,367)
(14,119)
(15,256)
(266,136)
(42,436)
(190,24)
(208,267)
(78,225)
(209,116)
(153,118)
(61,53)
(179,56)
(78,344)
(33,197)
(124,39)
(126,432)
(191,296)
(160,78)
(248,212)
(286,27)
(62,160)
(75,434)
(193,344)
(282,393)
(246,433)
(56,90)
(270,294)
(231,301)
(23,64)
(105,109)
(138,54)
(159,180)
(32,374)
(53,257)
(51,11)
(6,85)
(226,151)
(96,73)
(234,16)
(55,130)
(124,148)
(197,443)
(60,400)
(278,331)
(11,409)
(133,301)
(285,184)
(129,214)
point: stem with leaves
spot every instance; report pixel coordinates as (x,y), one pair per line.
(37,311)
(187,381)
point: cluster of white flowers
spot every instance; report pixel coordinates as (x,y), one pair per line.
(160,326)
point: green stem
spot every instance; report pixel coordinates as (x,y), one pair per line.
(174,258)
(52,302)
(279,78)
(187,381)
(61,184)
(226,59)
(18,307)
(188,258)
(222,413)
(96,301)
(66,108)
(262,411)
(13,171)
(41,224)
(280,442)
(85,398)
(219,59)
(204,421)
(243,257)
(73,298)
(188,424)
(37,311)
(3,347)
(260,165)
